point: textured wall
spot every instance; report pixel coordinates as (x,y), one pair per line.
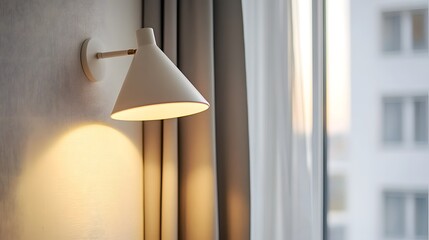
(66,170)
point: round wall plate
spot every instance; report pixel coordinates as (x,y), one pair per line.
(93,67)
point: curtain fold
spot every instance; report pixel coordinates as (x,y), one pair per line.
(196,169)
(198,183)
(160,139)
(286,191)
(270,123)
(232,141)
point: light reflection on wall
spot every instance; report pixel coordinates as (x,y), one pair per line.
(86,184)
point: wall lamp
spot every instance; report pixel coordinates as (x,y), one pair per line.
(153,89)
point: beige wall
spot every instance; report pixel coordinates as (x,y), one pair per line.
(66,170)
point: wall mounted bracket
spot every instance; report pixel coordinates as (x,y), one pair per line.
(90,54)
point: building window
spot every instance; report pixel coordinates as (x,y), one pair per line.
(337,193)
(392,31)
(419,29)
(392,119)
(337,233)
(421,119)
(421,215)
(405,120)
(405,215)
(394,216)
(408,25)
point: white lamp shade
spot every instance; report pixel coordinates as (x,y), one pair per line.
(154,87)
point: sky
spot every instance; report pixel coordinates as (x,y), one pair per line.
(338,65)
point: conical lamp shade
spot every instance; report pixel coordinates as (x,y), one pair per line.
(154,87)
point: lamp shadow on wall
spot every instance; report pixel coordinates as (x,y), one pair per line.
(85,184)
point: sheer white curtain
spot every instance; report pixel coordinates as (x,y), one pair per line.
(286,199)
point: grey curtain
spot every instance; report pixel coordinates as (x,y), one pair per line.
(196,169)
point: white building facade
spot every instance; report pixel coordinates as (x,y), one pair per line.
(384,174)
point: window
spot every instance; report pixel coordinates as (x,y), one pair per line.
(405,215)
(392,31)
(421,215)
(396,128)
(394,216)
(392,119)
(421,119)
(405,30)
(337,233)
(337,189)
(419,29)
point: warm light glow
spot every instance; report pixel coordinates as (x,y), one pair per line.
(85,184)
(201,198)
(160,111)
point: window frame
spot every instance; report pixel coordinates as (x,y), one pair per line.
(320,148)
(408,140)
(409,207)
(406,28)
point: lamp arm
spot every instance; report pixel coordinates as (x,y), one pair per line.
(120,53)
